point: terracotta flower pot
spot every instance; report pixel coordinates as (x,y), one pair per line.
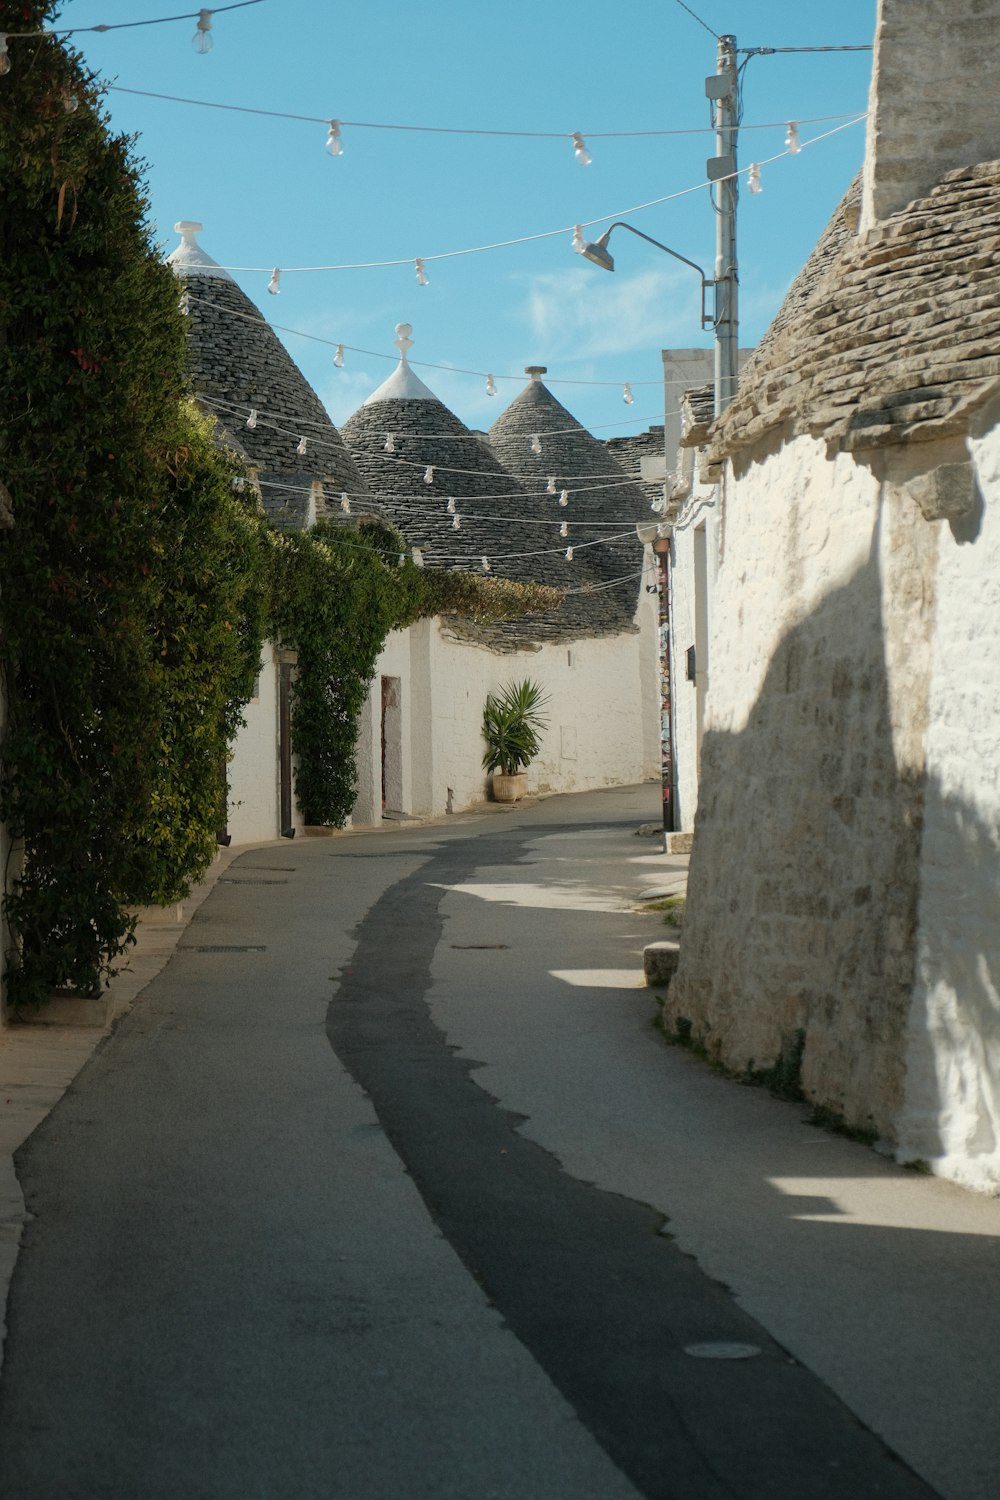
(509,788)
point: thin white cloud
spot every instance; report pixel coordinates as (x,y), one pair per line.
(570,315)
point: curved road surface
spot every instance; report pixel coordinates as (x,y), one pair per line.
(287,1243)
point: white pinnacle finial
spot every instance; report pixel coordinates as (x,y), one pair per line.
(403,340)
(189,259)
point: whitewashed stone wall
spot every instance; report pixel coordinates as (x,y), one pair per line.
(951,1116)
(602,711)
(700,514)
(253,769)
(802,906)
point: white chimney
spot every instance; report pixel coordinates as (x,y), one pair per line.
(934,102)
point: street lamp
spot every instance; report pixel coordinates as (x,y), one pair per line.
(599,254)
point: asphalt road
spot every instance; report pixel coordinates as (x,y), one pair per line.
(287,1243)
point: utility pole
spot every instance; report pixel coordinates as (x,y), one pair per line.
(721,88)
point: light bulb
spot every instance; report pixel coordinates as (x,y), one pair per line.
(450,507)
(345,504)
(580,149)
(579,243)
(185,303)
(333,138)
(252,419)
(272,285)
(239,485)
(400,560)
(564,529)
(491,386)
(390,443)
(753,178)
(338,357)
(421,271)
(627,395)
(429,474)
(569,554)
(792,142)
(550,488)
(564,497)
(456,525)
(301,449)
(486,565)
(536,443)
(70,102)
(202,39)
(4,53)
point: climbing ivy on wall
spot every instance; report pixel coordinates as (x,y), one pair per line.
(129,575)
(336,599)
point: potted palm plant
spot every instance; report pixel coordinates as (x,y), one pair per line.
(513,723)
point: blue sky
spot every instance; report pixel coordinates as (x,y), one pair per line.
(269,194)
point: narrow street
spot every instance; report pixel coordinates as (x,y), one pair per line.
(387,1186)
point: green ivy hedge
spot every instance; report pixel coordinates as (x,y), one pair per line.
(136,585)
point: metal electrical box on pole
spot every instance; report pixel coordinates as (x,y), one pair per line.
(721,89)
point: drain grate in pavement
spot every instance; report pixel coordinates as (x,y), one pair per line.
(479,945)
(231,880)
(224,948)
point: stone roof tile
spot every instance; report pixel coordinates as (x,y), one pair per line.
(891,338)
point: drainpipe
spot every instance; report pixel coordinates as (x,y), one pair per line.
(668,760)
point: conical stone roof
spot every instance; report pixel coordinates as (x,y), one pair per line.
(238,365)
(602,501)
(514,525)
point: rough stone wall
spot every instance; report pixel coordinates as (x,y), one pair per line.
(952,1109)
(802,897)
(933,97)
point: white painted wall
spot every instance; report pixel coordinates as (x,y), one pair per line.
(253,769)
(603,725)
(952,1108)
(699,513)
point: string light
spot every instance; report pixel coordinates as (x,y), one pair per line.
(239,485)
(491,386)
(627,395)
(421,271)
(338,358)
(564,529)
(550,488)
(579,242)
(536,443)
(345,503)
(333,138)
(450,507)
(184,303)
(580,149)
(429,474)
(252,419)
(272,285)
(569,554)
(564,498)
(301,449)
(753,178)
(202,39)
(792,143)
(389,446)
(523,239)
(486,565)
(456,525)
(70,102)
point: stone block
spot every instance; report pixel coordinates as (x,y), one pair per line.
(659,961)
